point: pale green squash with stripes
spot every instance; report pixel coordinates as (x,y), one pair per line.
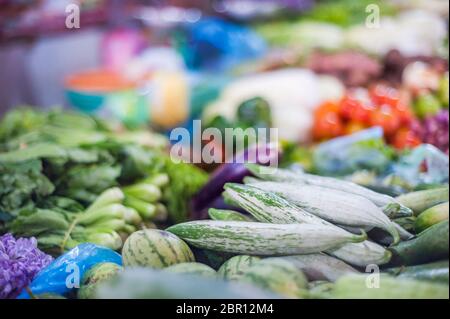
(235,267)
(263,239)
(156,249)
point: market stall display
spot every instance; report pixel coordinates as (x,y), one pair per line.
(354,184)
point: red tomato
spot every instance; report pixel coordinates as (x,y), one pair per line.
(405,113)
(385,117)
(354,110)
(405,138)
(327,126)
(353,127)
(327,107)
(382,94)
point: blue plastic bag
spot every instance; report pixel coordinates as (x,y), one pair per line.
(64,275)
(215,44)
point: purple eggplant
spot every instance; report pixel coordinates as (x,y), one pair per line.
(232,172)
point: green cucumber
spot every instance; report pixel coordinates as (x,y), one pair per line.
(356,287)
(236,266)
(192,268)
(431,216)
(430,245)
(263,239)
(156,249)
(436,272)
(421,200)
(228,215)
(277,275)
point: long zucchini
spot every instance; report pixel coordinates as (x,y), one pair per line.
(436,272)
(422,200)
(431,216)
(334,206)
(430,245)
(261,238)
(356,287)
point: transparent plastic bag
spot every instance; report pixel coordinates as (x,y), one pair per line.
(410,167)
(347,154)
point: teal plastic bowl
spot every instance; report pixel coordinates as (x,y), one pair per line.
(85,101)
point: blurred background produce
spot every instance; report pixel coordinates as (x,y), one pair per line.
(359,93)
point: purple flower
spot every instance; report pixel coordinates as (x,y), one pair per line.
(20,261)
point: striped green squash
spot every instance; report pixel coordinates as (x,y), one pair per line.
(262,239)
(193,269)
(277,275)
(156,249)
(236,266)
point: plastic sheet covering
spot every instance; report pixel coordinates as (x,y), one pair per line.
(410,167)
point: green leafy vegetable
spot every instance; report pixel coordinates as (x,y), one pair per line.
(185,181)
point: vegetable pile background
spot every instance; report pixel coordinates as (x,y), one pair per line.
(361,185)
(67,178)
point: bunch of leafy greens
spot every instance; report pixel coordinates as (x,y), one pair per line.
(56,164)
(77,153)
(186,181)
(21,184)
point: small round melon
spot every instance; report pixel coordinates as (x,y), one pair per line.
(155,248)
(236,266)
(96,275)
(277,275)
